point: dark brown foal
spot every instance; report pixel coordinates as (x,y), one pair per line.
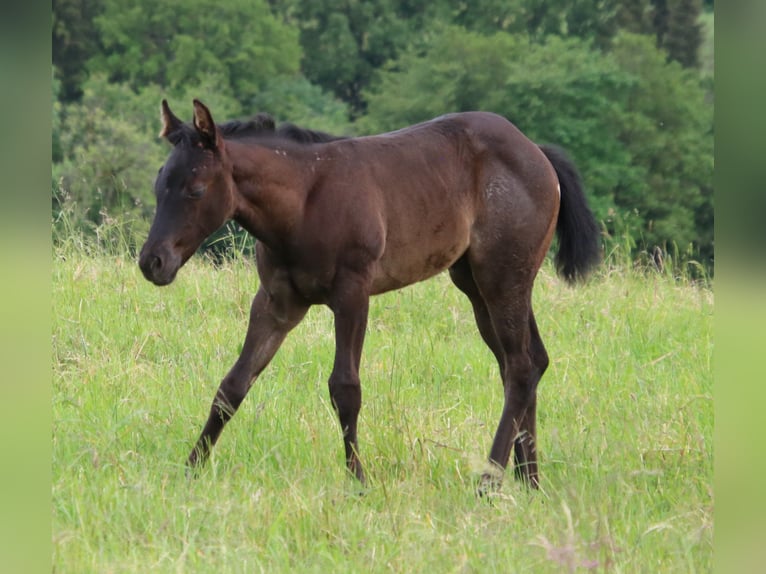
(341,219)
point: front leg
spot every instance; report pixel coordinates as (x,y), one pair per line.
(272,316)
(350,304)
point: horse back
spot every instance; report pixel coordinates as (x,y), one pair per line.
(409,203)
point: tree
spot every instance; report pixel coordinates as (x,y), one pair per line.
(174,44)
(684,35)
(668,127)
(108,161)
(345,42)
(74,40)
(678,30)
(295,99)
(635,16)
(591,20)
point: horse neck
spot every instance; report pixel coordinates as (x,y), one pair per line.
(271,188)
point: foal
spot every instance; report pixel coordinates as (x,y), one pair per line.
(339,220)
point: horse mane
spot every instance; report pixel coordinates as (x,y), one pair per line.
(262,125)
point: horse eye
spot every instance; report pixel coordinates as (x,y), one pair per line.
(197,190)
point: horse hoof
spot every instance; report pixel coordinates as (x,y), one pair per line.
(489,485)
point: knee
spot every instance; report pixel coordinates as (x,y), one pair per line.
(521,376)
(518,368)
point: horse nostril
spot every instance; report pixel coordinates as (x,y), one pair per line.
(159,264)
(150,264)
(155,263)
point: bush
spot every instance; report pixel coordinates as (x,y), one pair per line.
(107,161)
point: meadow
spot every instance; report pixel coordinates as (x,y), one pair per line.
(625,423)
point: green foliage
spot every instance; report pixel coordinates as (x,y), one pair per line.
(176,43)
(586,19)
(345,42)
(667,126)
(75,40)
(635,16)
(295,99)
(108,164)
(680,33)
(207,89)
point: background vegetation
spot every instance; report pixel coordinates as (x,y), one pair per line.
(624,85)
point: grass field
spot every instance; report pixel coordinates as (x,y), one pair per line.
(625,424)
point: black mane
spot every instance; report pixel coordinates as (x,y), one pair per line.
(261,125)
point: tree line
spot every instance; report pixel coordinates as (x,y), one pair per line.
(624,85)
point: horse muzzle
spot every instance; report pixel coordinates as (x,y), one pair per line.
(159,265)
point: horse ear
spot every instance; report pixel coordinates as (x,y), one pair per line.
(204,124)
(170,123)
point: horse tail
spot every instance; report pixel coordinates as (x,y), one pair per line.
(579,247)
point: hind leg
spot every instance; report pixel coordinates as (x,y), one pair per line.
(462,277)
(508,327)
(522,362)
(525,449)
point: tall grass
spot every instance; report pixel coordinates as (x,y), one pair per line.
(625,431)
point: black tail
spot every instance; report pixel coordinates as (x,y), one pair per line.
(578,232)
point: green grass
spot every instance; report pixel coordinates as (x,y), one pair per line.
(625,431)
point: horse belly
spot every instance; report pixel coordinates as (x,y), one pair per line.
(418,258)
